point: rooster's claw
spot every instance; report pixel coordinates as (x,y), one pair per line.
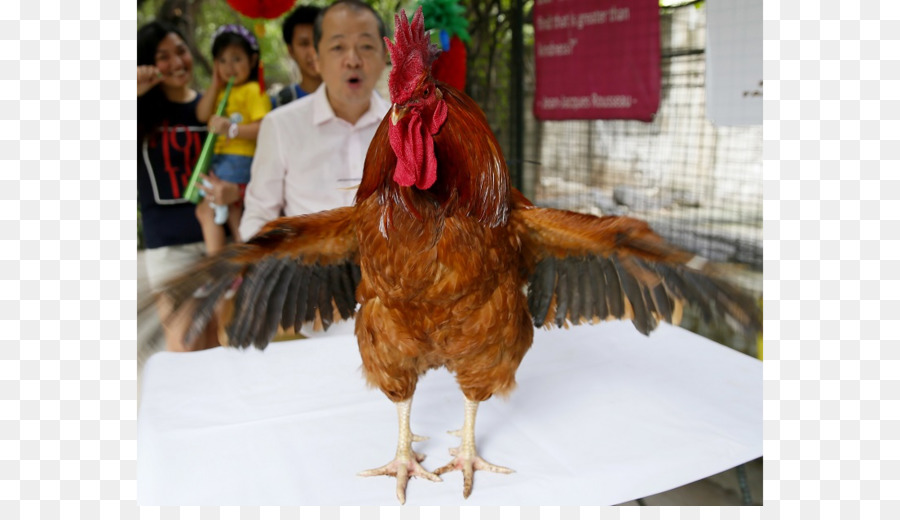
(403,468)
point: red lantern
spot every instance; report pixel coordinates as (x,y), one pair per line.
(267,9)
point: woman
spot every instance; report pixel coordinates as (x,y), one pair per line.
(169,142)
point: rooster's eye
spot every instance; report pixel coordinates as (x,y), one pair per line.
(425,94)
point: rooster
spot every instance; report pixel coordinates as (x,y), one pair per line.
(444,264)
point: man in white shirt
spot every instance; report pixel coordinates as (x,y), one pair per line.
(310,153)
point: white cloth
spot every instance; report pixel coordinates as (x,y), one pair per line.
(602,415)
(307,160)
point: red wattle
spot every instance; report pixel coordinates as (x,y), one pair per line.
(430,172)
(404,143)
(413,145)
(415,152)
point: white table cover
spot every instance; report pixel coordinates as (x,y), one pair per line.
(602,415)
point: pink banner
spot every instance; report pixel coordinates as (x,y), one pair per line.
(596,59)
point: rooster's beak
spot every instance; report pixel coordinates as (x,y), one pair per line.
(398,113)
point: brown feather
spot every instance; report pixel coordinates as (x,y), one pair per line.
(643,278)
(244,284)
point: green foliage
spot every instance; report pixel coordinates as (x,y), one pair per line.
(489,62)
(446,15)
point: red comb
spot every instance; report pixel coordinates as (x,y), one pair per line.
(411,53)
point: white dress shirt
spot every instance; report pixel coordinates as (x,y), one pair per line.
(307,160)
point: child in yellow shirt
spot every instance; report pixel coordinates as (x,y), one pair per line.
(236,54)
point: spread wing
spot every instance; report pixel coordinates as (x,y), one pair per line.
(583,268)
(295,270)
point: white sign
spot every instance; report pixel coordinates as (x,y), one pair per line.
(734,62)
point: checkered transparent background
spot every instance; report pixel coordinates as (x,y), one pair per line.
(68,257)
(831,190)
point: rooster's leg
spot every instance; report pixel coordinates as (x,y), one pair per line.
(406,463)
(466,458)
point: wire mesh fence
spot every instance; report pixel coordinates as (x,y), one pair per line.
(698,185)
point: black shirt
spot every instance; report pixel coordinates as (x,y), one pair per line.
(166,160)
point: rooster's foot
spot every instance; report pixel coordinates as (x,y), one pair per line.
(468,461)
(403,467)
